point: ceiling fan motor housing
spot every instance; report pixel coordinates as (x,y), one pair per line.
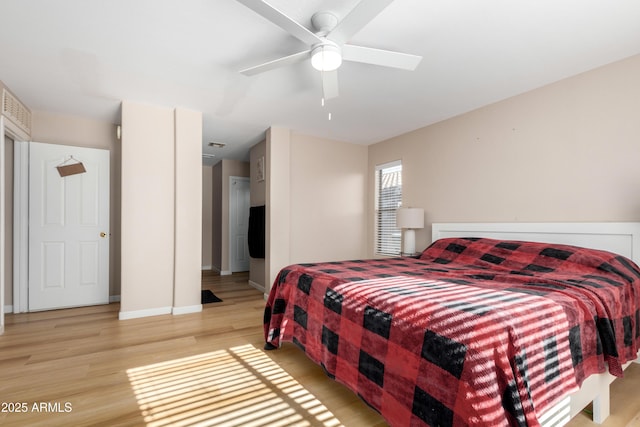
(324,22)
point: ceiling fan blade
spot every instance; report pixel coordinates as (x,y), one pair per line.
(359,16)
(386,58)
(281,20)
(329,84)
(276,63)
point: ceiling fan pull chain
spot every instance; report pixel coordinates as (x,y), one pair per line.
(322,100)
(322,88)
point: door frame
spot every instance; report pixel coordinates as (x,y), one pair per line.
(20,226)
(2,215)
(7,128)
(232,206)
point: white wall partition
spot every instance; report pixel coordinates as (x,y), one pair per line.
(188,211)
(161,210)
(147,210)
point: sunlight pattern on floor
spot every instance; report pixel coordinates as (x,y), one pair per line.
(240,386)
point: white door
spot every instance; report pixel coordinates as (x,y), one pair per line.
(68,228)
(239,223)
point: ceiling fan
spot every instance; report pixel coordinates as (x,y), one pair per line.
(328,45)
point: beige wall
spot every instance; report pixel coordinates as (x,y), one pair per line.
(54,128)
(161,210)
(328,204)
(565,152)
(147,208)
(207,217)
(278,198)
(187,280)
(316,200)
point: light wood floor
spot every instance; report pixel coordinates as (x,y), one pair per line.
(83,366)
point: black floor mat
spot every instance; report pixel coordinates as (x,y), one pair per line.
(208,296)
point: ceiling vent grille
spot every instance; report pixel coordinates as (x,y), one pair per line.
(15,111)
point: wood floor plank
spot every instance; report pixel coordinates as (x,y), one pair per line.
(206,368)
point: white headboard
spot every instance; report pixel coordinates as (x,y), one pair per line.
(622,238)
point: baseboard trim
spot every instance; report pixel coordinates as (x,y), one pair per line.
(114,298)
(8,309)
(126,315)
(207,267)
(187,309)
(225,273)
(256,285)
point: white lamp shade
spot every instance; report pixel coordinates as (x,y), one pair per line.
(410,218)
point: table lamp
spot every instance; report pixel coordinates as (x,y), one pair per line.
(409,219)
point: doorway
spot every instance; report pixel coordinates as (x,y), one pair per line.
(239,203)
(64,259)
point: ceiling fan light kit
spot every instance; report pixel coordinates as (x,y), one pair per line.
(326,57)
(328,45)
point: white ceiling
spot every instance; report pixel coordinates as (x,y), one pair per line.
(83,57)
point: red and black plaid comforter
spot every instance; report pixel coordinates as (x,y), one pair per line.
(473,332)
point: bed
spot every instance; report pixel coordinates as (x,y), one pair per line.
(493,324)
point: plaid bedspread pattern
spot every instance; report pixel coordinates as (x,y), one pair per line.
(470,334)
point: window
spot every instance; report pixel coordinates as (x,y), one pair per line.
(388,200)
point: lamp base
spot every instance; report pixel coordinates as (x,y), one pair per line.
(409,243)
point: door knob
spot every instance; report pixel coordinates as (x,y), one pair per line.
(103,234)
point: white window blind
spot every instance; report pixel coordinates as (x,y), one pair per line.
(388,200)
